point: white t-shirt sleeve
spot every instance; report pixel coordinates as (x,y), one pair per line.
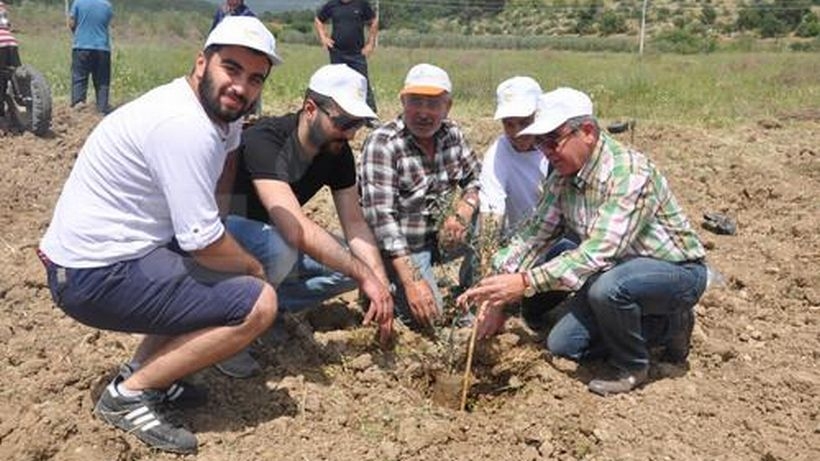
(185,170)
(492,197)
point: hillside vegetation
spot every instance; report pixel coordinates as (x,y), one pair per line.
(686,26)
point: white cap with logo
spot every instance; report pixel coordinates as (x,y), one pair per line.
(517,97)
(556,107)
(427,80)
(345,86)
(246,31)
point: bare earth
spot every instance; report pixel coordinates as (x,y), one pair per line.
(751,390)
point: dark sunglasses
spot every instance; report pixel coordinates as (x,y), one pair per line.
(343,122)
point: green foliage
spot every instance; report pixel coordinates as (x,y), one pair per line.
(684,41)
(771,26)
(708,15)
(612,23)
(809,26)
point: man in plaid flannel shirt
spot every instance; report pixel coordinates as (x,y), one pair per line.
(408,166)
(638,270)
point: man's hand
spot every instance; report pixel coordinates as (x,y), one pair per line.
(367,50)
(452,233)
(328,43)
(381,307)
(490,322)
(422,302)
(496,290)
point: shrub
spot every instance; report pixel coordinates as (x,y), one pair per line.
(809,26)
(684,41)
(612,23)
(771,26)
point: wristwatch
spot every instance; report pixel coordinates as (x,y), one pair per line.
(529,290)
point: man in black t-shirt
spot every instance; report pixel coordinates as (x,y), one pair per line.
(283,162)
(346,44)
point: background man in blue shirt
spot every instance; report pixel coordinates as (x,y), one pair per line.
(91,50)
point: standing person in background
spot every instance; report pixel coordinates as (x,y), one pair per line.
(231,8)
(91,50)
(347,44)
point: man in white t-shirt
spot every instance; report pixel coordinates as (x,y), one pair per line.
(136,244)
(513,169)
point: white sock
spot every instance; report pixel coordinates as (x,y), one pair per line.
(125,392)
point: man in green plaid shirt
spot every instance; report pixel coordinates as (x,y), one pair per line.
(638,271)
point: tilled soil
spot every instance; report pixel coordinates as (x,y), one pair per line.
(750,391)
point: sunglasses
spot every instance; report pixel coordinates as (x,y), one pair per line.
(343,122)
(550,142)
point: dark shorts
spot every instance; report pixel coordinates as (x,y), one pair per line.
(164,293)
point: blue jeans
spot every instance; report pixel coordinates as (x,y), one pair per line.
(536,310)
(96,63)
(424,260)
(624,311)
(301,281)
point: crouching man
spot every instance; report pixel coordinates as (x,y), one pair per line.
(639,268)
(136,244)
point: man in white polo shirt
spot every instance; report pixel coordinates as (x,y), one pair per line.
(136,243)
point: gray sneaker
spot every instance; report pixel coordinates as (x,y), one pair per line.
(146,417)
(242,365)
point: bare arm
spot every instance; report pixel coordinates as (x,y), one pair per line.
(363,247)
(357,232)
(71,24)
(302,233)
(321,32)
(226,255)
(372,34)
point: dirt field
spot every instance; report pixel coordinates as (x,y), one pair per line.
(751,390)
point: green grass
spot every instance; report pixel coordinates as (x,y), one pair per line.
(720,89)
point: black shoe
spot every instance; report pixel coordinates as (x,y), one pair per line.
(677,347)
(146,417)
(624,381)
(181,394)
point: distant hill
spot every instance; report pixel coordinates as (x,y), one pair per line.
(275,6)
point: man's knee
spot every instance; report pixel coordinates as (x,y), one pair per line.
(560,345)
(264,310)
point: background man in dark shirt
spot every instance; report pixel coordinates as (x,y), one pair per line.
(347,43)
(282,163)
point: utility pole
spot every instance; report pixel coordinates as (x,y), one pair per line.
(379,20)
(643,27)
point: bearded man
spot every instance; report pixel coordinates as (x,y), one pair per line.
(281,164)
(136,243)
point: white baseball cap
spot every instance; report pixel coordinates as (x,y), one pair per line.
(246,31)
(428,80)
(556,107)
(517,97)
(345,86)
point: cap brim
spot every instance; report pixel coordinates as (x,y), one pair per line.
(274,58)
(355,107)
(423,90)
(542,126)
(514,110)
